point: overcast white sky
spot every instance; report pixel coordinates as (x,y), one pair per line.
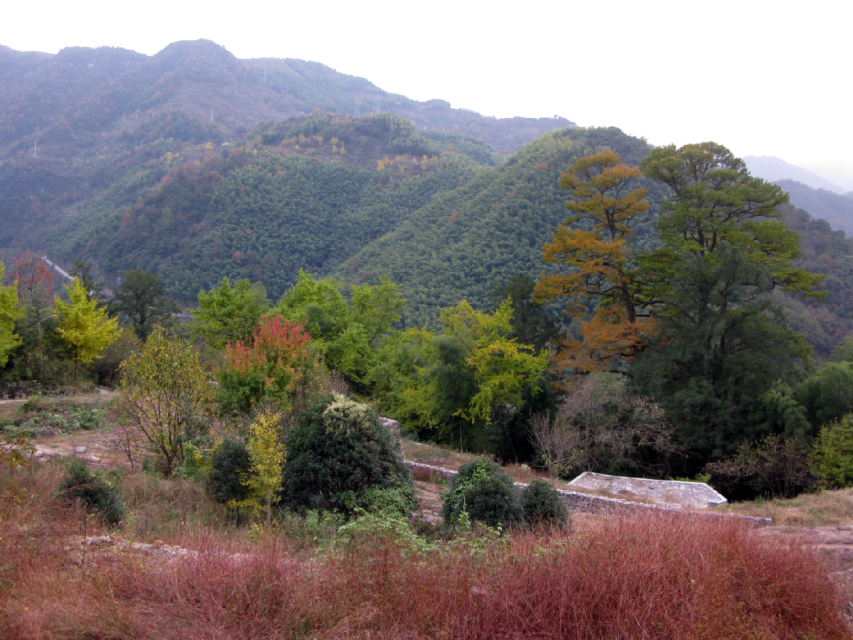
(761,77)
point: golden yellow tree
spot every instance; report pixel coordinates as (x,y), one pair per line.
(267,455)
(9,312)
(599,279)
(88,329)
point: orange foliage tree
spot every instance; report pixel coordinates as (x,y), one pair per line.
(599,274)
(270,369)
(35,281)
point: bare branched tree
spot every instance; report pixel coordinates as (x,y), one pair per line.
(602,427)
(557,446)
(128,440)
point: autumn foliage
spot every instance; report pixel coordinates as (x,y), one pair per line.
(271,367)
(34,278)
(597,261)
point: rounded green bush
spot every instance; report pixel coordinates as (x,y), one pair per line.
(832,455)
(338,456)
(96,494)
(485,492)
(541,504)
(231,464)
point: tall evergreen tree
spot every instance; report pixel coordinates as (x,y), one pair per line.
(598,272)
(721,343)
(141,299)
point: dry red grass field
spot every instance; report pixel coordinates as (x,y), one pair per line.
(656,577)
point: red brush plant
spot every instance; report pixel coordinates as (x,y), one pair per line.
(655,577)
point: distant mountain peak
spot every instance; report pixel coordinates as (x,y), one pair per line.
(774,169)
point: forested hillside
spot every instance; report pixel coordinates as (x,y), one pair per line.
(88,131)
(264,211)
(197,165)
(489,229)
(358,198)
(834,208)
(827,251)
(86,102)
(364,198)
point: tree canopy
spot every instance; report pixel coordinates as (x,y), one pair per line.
(597,271)
(84,325)
(227,314)
(721,341)
(9,312)
(141,299)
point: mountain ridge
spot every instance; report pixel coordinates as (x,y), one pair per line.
(774,169)
(59,100)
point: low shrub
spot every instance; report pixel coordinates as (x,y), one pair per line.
(337,454)
(87,419)
(542,506)
(484,492)
(771,468)
(230,464)
(391,502)
(832,455)
(96,494)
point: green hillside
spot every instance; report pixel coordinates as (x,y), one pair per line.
(834,208)
(356,198)
(77,126)
(489,229)
(263,211)
(828,251)
(197,165)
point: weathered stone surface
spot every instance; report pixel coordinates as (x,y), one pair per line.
(393,427)
(693,495)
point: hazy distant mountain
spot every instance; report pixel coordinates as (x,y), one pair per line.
(837,172)
(87,103)
(834,208)
(75,124)
(773,169)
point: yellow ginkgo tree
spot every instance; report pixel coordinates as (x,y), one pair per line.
(268,456)
(87,328)
(9,312)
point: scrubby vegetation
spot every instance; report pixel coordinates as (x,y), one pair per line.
(541,505)
(608,578)
(482,492)
(337,455)
(229,467)
(97,494)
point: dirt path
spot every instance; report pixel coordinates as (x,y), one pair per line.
(95,447)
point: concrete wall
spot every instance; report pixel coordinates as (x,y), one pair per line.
(590,503)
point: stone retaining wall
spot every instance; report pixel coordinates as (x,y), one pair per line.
(590,503)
